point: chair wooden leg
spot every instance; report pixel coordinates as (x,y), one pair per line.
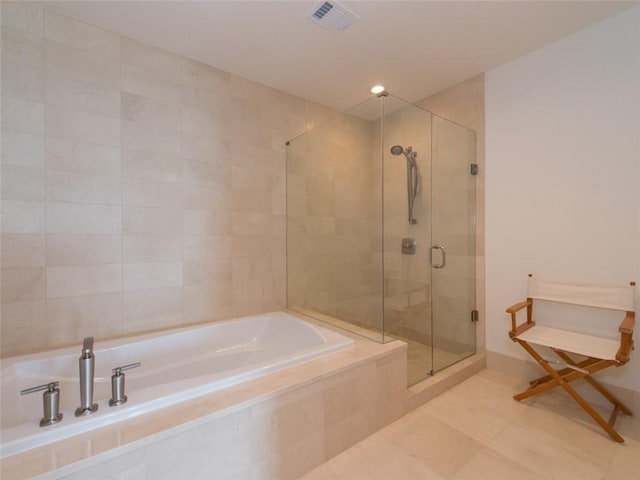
(553,381)
(614,415)
(609,396)
(595,384)
(592,413)
(563,381)
(532,391)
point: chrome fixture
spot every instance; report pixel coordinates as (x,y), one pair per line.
(409,246)
(117,384)
(87,367)
(50,402)
(413,177)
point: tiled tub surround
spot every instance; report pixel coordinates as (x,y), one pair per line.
(175,366)
(141,190)
(278,426)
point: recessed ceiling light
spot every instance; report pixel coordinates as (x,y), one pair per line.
(377,89)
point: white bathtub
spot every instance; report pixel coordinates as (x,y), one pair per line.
(176,366)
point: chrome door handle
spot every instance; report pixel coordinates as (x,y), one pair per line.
(444,256)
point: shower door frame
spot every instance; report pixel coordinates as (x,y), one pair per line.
(458,253)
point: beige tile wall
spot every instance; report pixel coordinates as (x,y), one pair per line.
(333,225)
(407,282)
(140,189)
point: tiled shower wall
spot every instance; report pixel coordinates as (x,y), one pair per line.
(407,280)
(334,223)
(140,189)
(445,213)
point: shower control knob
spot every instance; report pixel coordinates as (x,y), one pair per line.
(408,246)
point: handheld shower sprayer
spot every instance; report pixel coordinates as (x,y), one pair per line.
(413,177)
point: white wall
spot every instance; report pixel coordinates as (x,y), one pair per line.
(563,171)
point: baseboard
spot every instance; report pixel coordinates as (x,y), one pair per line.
(527,370)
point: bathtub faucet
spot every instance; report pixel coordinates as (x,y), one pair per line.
(87,366)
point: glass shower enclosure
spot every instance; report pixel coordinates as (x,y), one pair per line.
(381,229)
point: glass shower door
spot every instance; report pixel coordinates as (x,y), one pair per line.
(407,232)
(453,246)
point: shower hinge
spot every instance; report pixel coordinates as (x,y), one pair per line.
(474,169)
(474,316)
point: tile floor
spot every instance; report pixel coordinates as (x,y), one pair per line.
(476,431)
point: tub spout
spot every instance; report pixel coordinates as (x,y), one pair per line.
(87,367)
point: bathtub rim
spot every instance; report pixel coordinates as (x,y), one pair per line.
(331,342)
(113,440)
(7,362)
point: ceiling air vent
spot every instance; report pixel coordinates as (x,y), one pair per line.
(332,16)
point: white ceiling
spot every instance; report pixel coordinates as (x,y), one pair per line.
(414,48)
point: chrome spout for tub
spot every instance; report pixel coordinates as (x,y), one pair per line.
(87,367)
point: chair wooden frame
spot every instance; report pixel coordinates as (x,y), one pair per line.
(575,370)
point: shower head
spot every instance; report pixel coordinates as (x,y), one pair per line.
(397,150)
(408,153)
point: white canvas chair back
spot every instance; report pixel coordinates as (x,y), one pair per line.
(600,296)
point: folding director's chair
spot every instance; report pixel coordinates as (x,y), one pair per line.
(597,352)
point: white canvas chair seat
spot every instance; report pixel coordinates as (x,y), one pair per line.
(598,352)
(572,342)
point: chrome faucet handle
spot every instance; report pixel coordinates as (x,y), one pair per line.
(45,386)
(87,345)
(117,384)
(50,402)
(117,370)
